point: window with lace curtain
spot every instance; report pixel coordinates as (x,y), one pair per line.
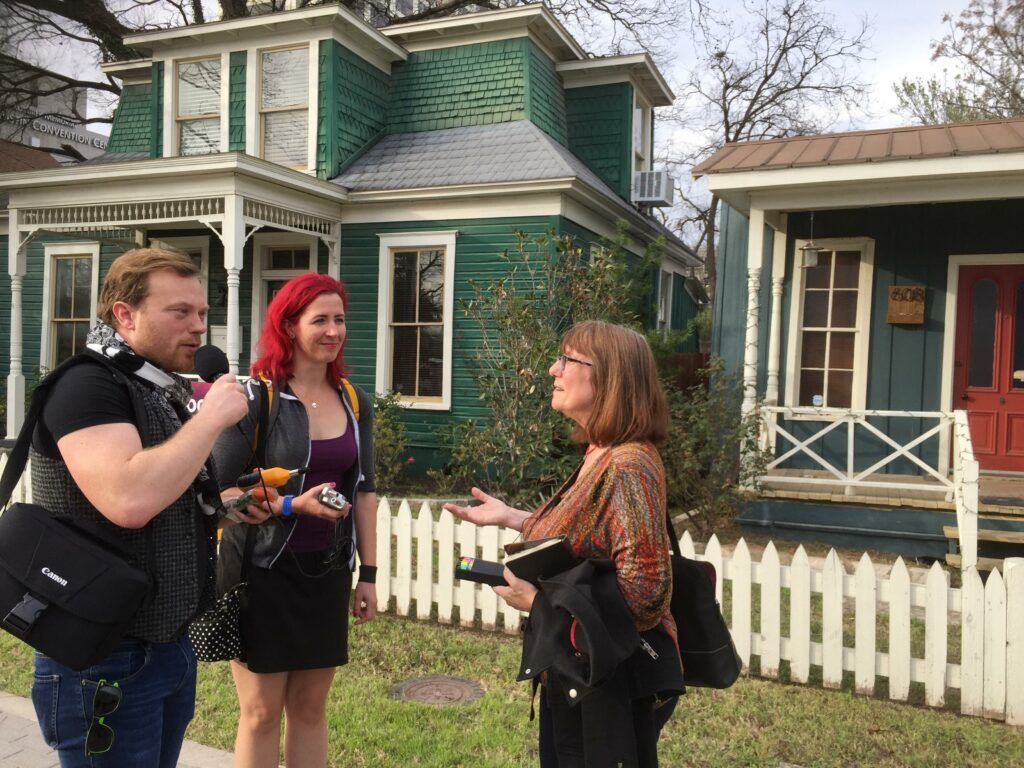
(284,106)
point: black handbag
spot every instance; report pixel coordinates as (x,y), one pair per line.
(66,588)
(709,656)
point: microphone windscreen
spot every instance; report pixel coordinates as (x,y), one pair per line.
(211,362)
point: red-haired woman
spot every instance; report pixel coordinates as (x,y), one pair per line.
(612,508)
(299,573)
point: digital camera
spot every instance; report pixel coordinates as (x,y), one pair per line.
(332,498)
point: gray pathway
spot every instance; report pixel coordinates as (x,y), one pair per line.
(22,746)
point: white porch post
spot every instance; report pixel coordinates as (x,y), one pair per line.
(771,394)
(233,237)
(755,245)
(334,260)
(15,378)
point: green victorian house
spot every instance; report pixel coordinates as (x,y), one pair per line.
(402,160)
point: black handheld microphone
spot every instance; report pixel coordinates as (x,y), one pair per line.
(211,362)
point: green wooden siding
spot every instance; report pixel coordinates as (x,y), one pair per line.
(464,85)
(156,147)
(478,257)
(600,131)
(545,95)
(684,309)
(236,102)
(130,131)
(353,107)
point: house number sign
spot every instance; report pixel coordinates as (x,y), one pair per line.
(906,304)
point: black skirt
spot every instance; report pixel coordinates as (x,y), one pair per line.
(294,615)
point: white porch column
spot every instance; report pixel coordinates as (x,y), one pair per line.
(771,394)
(15,378)
(233,237)
(755,245)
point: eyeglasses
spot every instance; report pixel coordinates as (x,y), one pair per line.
(100,736)
(563,359)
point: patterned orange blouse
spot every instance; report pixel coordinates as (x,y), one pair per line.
(616,509)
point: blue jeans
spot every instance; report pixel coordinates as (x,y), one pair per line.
(158,696)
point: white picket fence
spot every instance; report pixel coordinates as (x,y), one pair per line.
(416,555)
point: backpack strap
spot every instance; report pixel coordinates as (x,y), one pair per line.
(353,400)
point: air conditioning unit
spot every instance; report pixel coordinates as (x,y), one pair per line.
(652,188)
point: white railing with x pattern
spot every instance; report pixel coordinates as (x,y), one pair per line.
(900,623)
(785,446)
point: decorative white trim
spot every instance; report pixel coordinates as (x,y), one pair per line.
(638,69)
(225,101)
(252,108)
(50,250)
(858,396)
(771,393)
(312,102)
(949,326)
(170,134)
(262,242)
(388,243)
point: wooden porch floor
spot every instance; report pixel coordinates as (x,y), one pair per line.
(999,495)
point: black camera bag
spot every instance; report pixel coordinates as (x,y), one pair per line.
(66,588)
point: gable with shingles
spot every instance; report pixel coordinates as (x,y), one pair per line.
(130,131)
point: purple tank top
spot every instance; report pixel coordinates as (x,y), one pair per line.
(328,462)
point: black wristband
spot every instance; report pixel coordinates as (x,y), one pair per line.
(368,574)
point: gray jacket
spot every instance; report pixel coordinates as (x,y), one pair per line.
(288,446)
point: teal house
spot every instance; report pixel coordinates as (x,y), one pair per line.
(402,160)
(871,296)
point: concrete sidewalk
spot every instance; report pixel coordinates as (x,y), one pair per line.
(22,745)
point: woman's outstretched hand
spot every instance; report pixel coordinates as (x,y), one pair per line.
(490,511)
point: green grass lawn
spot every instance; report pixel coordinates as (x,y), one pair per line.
(756,723)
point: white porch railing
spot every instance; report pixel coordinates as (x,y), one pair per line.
(784,443)
(416,556)
(965,489)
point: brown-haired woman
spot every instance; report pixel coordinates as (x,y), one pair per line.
(612,507)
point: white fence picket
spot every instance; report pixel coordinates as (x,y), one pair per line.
(383,553)
(510,617)
(972,645)
(800,617)
(467,589)
(424,561)
(995,646)
(865,611)
(741,602)
(989,673)
(446,566)
(936,621)
(771,612)
(832,621)
(488,599)
(713,555)
(899,631)
(403,556)
(1014,570)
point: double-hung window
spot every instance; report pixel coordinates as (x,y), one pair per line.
(198,106)
(415,308)
(70,293)
(284,106)
(829,328)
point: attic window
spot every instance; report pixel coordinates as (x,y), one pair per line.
(284,106)
(198,107)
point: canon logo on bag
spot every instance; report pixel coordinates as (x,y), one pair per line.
(51,575)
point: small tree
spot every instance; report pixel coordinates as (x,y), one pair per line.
(389,442)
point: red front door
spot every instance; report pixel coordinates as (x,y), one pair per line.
(988,373)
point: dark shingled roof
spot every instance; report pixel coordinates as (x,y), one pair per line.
(116,157)
(14,157)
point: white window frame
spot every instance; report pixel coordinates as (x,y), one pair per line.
(51,250)
(199,243)
(174,121)
(254,99)
(443,240)
(862,339)
(643,150)
(262,244)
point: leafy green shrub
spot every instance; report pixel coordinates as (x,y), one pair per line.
(389,441)
(712,456)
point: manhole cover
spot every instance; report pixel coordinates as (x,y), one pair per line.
(438,689)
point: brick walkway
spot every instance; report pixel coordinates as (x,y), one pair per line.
(22,746)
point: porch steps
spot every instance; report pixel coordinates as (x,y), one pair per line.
(1004,543)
